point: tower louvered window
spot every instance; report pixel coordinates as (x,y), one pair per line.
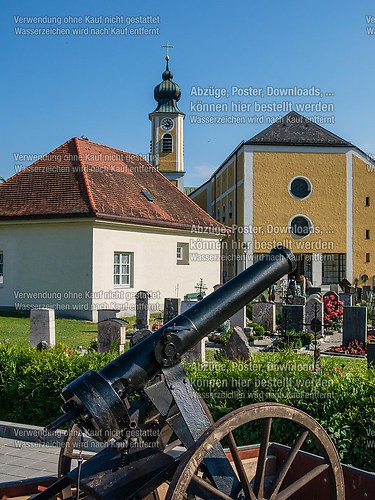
(167,143)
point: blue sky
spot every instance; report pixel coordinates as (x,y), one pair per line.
(57,87)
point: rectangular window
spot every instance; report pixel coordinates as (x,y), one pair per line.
(1,268)
(367,257)
(367,201)
(182,253)
(333,267)
(122,271)
(367,234)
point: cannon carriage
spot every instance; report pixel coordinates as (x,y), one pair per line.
(160,440)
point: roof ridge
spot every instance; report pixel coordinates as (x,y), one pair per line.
(85,178)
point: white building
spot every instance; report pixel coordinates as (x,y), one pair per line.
(88,226)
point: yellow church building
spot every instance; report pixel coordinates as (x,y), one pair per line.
(299,185)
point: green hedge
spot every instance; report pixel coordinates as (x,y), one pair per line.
(344,402)
(31,381)
(341,398)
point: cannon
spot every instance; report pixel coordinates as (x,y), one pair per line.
(158,438)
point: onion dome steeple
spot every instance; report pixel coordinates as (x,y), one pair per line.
(167,93)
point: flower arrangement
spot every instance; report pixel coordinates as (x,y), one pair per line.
(333,313)
(353,347)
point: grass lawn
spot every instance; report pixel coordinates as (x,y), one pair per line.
(15,327)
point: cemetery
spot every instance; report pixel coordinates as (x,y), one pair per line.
(312,352)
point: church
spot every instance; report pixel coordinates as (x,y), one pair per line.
(299,185)
(88,226)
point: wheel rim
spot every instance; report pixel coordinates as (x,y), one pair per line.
(224,427)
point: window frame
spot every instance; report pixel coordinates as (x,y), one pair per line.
(309,221)
(121,274)
(307,181)
(168,136)
(184,259)
(338,268)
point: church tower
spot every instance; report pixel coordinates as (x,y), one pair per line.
(167,150)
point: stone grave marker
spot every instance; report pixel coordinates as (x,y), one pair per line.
(264,313)
(280,289)
(355,324)
(314,312)
(198,352)
(172,308)
(315,296)
(299,300)
(366,290)
(371,354)
(42,326)
(107,314)
(109,331)
(238,348)
(142,310)
(293,317)
(334,287)
(239,318)
(314,289)
(346,298)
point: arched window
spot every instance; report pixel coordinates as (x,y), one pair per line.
(167,143)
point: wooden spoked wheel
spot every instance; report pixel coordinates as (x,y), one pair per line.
(69,454)
(255,486)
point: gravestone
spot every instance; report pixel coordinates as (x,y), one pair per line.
(239,318)
(299,300)
(172,308)
(315,296)
(371,354)
(366,291)
(142,310)
(293,318)
(197,352)
(107,314)
(109,331)
(314,289)
(346,298)
(334,287)
(355,324)
(238,348)
(42,327)
(265,315)
(314,312)
(280,289)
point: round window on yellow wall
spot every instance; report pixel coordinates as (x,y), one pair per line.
(300,226)
(300,187)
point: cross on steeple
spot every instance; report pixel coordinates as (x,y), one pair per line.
(167,47)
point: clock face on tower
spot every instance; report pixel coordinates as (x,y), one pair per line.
(167,124)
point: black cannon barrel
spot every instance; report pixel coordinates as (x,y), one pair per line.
(136,366)
(96,398)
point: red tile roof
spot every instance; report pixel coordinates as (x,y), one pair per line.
(82,178)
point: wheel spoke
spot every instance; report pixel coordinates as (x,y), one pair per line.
(286,465)
(208,487)
(297,485)
(249,493)
(261,465)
